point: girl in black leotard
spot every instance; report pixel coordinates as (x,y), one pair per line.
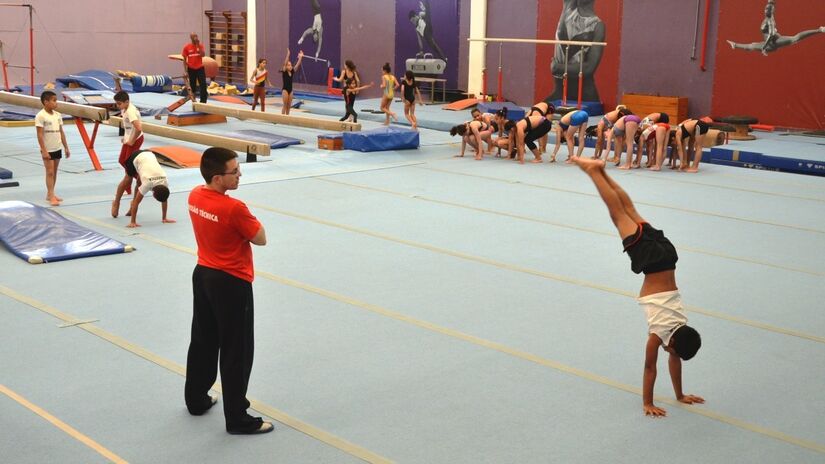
(287,71)
(409,89)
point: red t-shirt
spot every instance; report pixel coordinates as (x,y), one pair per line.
(191,54)
(223,228)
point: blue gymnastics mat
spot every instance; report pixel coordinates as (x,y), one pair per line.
(730,156)
(381,139)
(514,112)
(94,79)
(274,140)
(40,235)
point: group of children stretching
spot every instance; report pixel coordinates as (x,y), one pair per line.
(620,127)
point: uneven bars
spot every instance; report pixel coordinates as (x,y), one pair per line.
(536,41)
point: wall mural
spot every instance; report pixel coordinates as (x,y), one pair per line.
(778,79)
(315,28)
(586,21)
(426,39)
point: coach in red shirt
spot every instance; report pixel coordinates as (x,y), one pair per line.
(222,320)
(193,54)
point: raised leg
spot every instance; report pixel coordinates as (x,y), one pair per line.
(613,196)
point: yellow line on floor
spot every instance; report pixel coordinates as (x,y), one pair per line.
(494,346)
(68,429)
(655,205)
(611,234)
(276,414)
(533,272)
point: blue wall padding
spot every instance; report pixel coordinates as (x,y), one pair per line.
(274,140)
(5,173)
(150,83)
(381,139)
(30,232)
(514,112)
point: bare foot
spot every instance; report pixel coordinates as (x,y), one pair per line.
(537,160)
(636,165)
(54,202)
(552,159)
(115,208)
(692,170)
(655,168)
(588,163)
(570,160)
(624,167)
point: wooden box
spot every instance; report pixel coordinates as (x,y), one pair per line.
(331,142)
(642,105)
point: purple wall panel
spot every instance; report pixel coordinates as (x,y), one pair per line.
(656,48)
(368,39)
(463,45)
(84,34)
(512,19)
(273,37)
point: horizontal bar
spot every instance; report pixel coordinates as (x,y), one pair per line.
(537,41)
(231,143)
(290,120)
(73,109)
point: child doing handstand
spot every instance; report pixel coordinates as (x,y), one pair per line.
(650,253)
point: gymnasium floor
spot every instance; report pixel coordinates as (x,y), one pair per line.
(416,307)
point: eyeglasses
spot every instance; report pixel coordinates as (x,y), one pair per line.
(233,172)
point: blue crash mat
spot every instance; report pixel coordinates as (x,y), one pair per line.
(274,140)
(514,112)
(40,235)
(381,139)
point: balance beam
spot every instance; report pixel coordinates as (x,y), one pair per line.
(252,149)
(73,109)
(300,121)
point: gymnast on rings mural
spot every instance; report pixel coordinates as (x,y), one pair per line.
(578,22)
(773,41)
(316,31)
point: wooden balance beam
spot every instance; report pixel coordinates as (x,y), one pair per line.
(93,113)
(80,112)
(252,149)
(300,121)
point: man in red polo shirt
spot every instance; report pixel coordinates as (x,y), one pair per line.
(222,319)
(193,54)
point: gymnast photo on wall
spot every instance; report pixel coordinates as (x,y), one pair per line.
(579,22)
(316,31)
(424,29)
(772,39)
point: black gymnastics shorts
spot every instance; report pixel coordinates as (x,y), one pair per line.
(131,170)
(649,250)
(56,155)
